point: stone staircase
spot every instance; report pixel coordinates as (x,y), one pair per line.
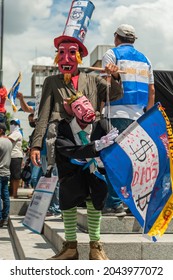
(121,237)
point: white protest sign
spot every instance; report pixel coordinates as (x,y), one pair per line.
(39,204)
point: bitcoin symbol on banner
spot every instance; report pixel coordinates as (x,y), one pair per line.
(141,153)
(143,201)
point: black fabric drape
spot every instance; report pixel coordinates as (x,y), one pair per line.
(163,81)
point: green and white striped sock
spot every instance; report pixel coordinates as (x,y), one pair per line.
(94,220)
(70,223)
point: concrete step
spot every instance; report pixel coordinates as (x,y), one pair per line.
(113,224)
(117,246)
(25,192)
(110,224)
(7,246)
(30,246)
(18,206)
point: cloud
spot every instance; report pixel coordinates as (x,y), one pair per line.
(26,35)
(20,14)
(151,20)
(31,26)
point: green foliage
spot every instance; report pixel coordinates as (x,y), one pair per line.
(24,145)
(9,118)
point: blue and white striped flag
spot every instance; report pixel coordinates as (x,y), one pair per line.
(13,92)
(139,167)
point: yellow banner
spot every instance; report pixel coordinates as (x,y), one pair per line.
(163,220)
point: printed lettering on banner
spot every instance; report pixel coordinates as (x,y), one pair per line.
(39,204)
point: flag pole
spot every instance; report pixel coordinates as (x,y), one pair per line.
(99,69)
(1,36)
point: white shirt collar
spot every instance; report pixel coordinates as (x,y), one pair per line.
(76,128)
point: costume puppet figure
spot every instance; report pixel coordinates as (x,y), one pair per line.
(77,148)
(58,87)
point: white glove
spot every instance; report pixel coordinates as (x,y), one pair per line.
(106,140)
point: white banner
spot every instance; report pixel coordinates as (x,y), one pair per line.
(39,204)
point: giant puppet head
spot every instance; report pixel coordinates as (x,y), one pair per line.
(80,107)
(68,58)
(70,47)
(64,38)
(69,55)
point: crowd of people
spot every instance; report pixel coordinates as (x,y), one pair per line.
(72,128)
(16,168)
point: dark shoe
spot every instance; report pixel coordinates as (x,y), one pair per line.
(68,252)
(49,214)
(128,212)
(96,251)
(1,223)
(119,211)
(5,222)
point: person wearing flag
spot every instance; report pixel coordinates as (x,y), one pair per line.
(77,147)
(138,86)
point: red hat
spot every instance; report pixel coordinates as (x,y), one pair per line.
(65,38)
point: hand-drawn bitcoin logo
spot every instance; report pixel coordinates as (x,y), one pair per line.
(141,153)
(141,199)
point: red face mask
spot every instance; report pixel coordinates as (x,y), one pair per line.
(67,62)
(83,110)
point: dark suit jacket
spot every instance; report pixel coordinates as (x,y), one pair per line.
(77,184)
(55,90)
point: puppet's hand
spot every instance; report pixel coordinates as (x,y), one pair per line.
(106,140)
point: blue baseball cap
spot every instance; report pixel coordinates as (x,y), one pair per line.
(15,122)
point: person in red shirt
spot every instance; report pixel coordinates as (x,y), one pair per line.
(3,96)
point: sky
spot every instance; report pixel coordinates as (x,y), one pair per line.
(31,26)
